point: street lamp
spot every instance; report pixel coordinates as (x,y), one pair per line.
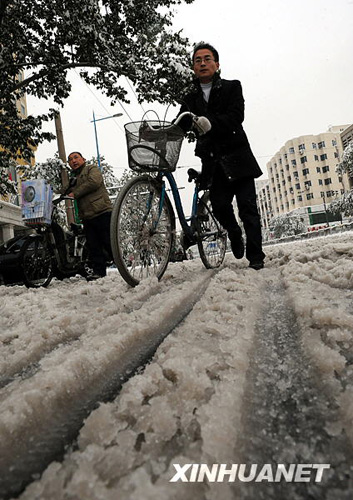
(95,132)
(325,208)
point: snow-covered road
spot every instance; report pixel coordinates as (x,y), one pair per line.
(256,368)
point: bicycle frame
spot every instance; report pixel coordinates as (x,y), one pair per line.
(187,228)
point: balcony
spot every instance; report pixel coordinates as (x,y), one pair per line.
(10,220)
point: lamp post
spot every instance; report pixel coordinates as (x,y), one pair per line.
(325,208)
(95,132)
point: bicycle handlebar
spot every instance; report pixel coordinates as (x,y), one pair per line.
(201,128)
(176,121)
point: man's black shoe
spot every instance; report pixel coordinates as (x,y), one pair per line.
(94,276)
(237,245)
(256,265)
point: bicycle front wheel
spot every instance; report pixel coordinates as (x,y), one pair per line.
(142,230)
(211,237)
(36,263)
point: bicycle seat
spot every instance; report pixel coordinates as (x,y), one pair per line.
(193,175)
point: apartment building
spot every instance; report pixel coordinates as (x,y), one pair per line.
(347,136)
(264,202)
(10,211)
(303,173)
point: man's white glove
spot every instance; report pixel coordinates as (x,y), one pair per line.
(201,124)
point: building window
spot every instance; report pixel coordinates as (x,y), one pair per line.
(309,196)
(325,169)
(314,145)
(320,182)
(301,147)
(334,142)
(296,175)
(300,198)
(294,162)
(297,186)
(316,157)
(305,171)
(321,144)
(323,157)
(303,159)
(318,169)
(291,150)
(336,154)
(307,183)
(328,181)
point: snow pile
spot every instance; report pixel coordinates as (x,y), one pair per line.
(188,404)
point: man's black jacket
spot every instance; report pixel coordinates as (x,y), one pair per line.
(226,145)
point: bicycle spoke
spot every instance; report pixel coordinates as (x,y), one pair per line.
(142,231)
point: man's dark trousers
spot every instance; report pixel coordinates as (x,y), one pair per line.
(222,192)
(97,231)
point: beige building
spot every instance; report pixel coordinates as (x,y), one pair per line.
(303,174)
(264,202)
(347,136)
(10,211)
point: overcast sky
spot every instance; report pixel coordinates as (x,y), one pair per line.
(293,57)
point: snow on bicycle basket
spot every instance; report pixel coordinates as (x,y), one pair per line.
(37,198)
(153,145)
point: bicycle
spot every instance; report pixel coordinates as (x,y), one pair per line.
(52,250)
(143,225)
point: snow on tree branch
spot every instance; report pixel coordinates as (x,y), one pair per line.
(287,225)
(106,39)
(346,165)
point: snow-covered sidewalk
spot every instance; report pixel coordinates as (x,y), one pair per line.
(190,403)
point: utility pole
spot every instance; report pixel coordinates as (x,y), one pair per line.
(62,156)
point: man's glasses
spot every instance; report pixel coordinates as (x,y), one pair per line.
(200,60)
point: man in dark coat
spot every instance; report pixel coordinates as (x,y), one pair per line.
(228,164)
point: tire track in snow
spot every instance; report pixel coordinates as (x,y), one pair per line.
(42,331)
(43,413)
(287,413)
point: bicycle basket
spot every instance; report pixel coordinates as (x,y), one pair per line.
(36,204)
(153,146)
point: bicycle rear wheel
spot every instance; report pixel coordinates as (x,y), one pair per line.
(36,263)
(142,230)
(211,237)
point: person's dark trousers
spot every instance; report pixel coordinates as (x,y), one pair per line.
(97,231)
(222,192)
